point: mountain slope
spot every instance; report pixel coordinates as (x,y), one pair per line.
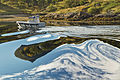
(92,60)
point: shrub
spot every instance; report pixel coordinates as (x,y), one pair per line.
(74,3)
(51,8)
(82,2)
(93,10)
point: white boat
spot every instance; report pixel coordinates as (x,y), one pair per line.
(32,24)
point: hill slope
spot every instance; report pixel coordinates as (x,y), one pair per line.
(6,9)
(63,6)
(69,10)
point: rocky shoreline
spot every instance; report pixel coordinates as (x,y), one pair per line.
(83,18)
(67,19)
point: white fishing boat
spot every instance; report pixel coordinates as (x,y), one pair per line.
(32,24)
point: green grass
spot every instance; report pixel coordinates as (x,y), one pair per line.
(101,6)
(110,5)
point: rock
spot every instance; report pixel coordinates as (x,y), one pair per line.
(106,15)
(99,15)
(69,15)
(61,17)
(56,16)
(50,16)
(82,15)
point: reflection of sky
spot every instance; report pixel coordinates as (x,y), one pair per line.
(9,63)
(90,60)
(15,33)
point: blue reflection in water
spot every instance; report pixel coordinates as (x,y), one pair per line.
(11,64)
(15,33)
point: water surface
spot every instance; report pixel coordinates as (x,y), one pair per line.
(9,63)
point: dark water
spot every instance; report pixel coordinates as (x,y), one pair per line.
(11,41)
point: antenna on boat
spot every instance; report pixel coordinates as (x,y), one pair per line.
(37,18)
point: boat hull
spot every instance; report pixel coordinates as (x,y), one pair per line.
(24,26)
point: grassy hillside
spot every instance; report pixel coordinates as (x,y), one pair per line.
(60,6)
(93,7)
(97,11)
(5,9)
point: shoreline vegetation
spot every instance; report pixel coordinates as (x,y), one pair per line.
(50,20)
(84,12)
